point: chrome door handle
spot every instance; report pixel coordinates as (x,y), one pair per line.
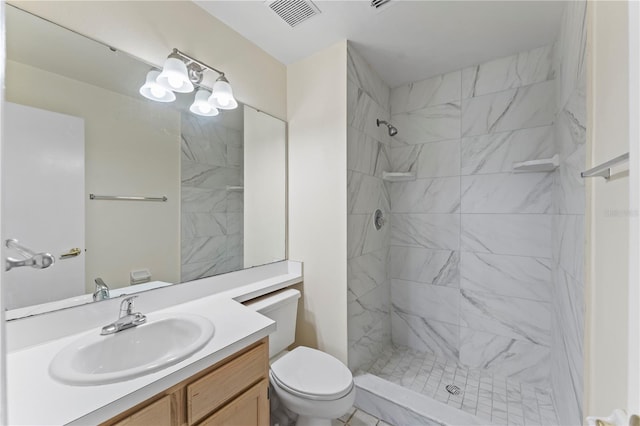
(71,253)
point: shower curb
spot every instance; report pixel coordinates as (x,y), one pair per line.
(403,407)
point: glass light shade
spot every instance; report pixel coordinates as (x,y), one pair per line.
(154,91)
(201,105)
(222,96)
(174,76)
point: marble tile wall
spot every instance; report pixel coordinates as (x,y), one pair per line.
(568,223)
(470,263)
(369,326)
(211,216)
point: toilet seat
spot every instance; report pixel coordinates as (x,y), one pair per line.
(312,374)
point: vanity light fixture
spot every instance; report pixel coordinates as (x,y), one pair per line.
(175,75)
(154,90)
(182,73)
(201,105)
(222,96)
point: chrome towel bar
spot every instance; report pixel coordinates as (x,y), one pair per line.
(126,198)
(604,169)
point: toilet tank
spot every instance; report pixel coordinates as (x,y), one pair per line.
(282,307)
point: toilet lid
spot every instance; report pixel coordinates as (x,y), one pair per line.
(311,372)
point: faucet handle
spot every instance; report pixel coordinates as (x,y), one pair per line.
(126,305)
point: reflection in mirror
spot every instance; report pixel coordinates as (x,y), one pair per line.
(77,125)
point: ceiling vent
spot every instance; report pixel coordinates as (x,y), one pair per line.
(380,5)
(294,12)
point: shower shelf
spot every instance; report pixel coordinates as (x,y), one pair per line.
(398,176)
(541,165)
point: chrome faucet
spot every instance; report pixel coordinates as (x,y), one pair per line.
(102,290)
(126,318)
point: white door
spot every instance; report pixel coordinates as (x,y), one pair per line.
(43,202)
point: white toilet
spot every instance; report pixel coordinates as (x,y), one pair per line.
(310,383)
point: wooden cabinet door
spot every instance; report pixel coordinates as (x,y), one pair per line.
(250,408)
(207,394)
(158,413)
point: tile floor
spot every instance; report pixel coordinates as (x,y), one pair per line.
(496,399)
(357,417)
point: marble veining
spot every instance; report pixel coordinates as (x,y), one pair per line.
(366,194)
(496,152)
(430,124)
(568,250)
(435,159)
(414,331)
(366,272)
(515,359)
(367,311)
(363,237)
(514,234)
(572,48)
(516,276)
(480,261)
(204,175)
(200,249)
(211,217)
(365,351)
(524,107)
(203,224)
(363,112)
(567,352)
(529,67)
(426,301)
(368,298)
(521,319)
(363,76)
(202,200)
(504,193)
(365,154)
(436,231)
(437,90)
(437,267)
(438,195)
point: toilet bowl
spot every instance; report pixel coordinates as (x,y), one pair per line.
(313,384)
(308,382)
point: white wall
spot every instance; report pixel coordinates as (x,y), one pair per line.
(633,396)
(150,29)
(265,174)
(3,370)
(317,116)
(125,154)
(607,211)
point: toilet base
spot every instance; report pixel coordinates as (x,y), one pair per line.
(312,421)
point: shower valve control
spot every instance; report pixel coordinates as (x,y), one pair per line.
(378,219)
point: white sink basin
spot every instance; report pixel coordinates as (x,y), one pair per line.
(157,344)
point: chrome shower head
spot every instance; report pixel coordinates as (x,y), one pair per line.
(392,130)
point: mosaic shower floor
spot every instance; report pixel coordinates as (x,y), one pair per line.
(496,399)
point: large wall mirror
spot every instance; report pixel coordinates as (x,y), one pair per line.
(76,125)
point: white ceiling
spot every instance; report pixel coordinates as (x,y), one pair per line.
(405,41)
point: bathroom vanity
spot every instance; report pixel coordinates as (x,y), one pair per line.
(233,391)
(227,377)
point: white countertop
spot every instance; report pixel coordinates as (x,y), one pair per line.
(34,398)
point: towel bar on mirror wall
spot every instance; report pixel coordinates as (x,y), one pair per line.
(604,169)
(30,258)
(126,198)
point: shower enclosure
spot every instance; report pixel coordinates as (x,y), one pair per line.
(471,293)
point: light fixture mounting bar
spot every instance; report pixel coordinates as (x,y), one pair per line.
(192,59)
